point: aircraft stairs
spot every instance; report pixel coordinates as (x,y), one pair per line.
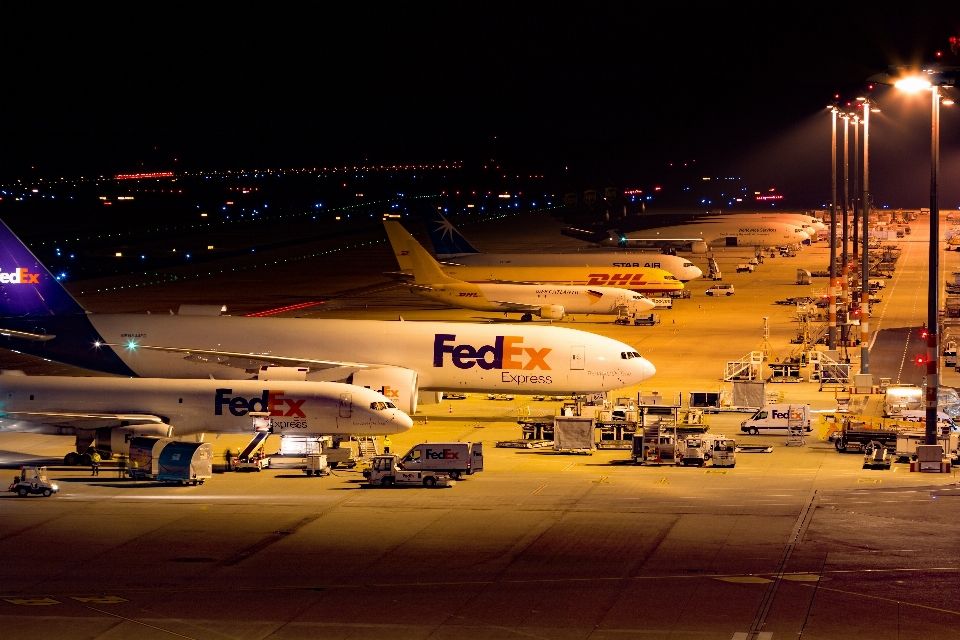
(259,439)
(367,448)
(746,368)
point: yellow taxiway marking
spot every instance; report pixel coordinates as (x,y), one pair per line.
(539,489)
(717,471)
(32,601)
(870,480)
(602,480)
(907,604)
(801,577)
(99,599)
(173,633)
(662,480)
(745,579)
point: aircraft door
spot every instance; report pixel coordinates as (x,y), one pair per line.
(346,405)
(576,358)
(731,241)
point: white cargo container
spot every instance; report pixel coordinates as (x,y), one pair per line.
(453,458)
(776,418)
(902,398)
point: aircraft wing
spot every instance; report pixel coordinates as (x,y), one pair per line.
(26,335)
(519,306)
(239,359)
(83,420)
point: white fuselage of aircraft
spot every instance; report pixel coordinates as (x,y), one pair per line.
(678,266)
(443,356)
(741,233)
(547,301)
(175,408)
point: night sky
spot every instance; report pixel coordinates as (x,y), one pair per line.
(618,91)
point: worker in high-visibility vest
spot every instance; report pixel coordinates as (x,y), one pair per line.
(386,444)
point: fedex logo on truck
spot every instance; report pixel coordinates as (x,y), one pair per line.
(506,352)
(789,414)
(443,454)
(19,276)
(272,402)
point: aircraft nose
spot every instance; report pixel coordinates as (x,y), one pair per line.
(695,272)
(645,304)
(402,420)
(647,370)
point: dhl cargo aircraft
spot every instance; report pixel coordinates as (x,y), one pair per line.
(398,359)
(550,302)
(634,278)
(454,249)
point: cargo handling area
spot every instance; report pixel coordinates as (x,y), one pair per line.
(479,322)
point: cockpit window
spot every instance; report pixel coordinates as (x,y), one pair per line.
(390,405)
(688,264)
(380,406)
(626,355)
(669,278)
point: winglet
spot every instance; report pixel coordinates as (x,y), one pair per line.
(425,269)
(447,241)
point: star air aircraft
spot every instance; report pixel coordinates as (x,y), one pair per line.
(455,250)
(634,278)
(396,358)
(550,302)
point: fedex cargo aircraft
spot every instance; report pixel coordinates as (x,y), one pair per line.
(398,359)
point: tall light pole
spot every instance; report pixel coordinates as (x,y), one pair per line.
(856,184)
(913,84)
(846,233)
(865,253)
(832,290)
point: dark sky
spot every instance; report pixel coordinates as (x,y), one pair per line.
(621,88)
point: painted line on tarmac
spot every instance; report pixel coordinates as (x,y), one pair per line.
(872,597)
(173,633)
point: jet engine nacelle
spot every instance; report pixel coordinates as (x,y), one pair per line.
(698,247)
(551,312)
(399,385)
(119,437)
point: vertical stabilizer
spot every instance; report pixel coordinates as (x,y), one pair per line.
(447,241)
(26,287)
(425,269)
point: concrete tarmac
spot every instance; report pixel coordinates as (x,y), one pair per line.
(798,543)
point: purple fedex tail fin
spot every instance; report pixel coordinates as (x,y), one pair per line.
(26,287)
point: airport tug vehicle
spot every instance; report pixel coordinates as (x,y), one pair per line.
(33,480)
(386,472)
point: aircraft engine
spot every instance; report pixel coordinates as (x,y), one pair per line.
(399,385)
(698,247)
(117,439)
(552,312)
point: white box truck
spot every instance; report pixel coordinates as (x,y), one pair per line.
(452,458)
(776,418)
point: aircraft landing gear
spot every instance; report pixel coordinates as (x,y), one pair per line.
(527,317)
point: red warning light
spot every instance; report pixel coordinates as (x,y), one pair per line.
(920,360)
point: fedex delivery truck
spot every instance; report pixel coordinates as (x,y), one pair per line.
(452,458)
(777,418)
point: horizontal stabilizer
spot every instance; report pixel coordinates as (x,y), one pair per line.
(583,234)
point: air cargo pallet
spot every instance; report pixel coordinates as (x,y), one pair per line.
(523,444)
